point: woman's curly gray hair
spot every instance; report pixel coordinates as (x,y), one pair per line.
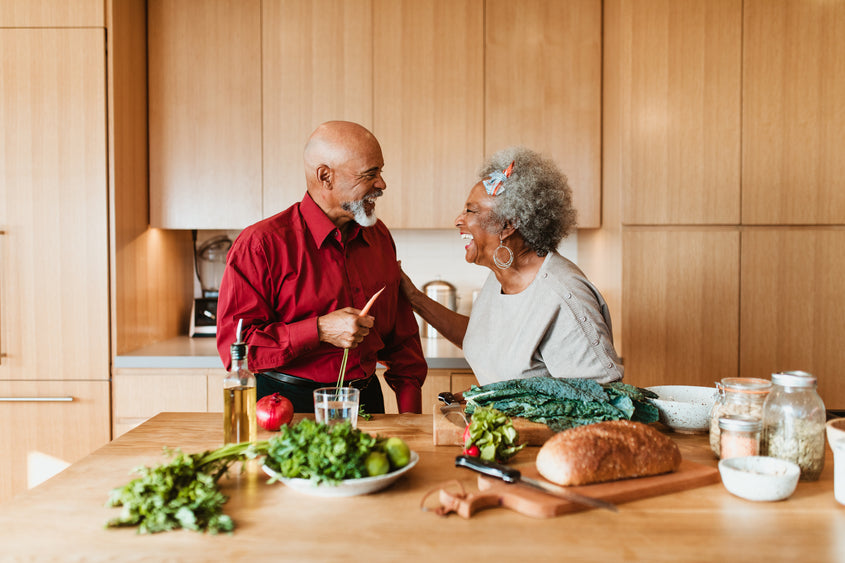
(536,199)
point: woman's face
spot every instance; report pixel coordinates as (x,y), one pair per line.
(472,222)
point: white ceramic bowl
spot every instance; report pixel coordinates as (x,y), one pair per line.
(347,487)
(685,408)
(759,478)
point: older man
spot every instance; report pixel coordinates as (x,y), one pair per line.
(300,279)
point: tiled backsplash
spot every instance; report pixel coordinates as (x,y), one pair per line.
(432,254)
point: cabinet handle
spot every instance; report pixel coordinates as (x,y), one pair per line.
(36,399)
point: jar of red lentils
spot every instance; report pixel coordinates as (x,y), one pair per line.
(739,436)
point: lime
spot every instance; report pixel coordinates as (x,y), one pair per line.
(398,451)
(377,464)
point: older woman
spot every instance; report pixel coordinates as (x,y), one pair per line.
(537,313)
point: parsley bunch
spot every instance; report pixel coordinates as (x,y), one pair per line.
(182,493)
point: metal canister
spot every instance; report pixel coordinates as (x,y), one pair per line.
(445,294)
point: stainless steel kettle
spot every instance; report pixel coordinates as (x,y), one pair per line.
(445,294)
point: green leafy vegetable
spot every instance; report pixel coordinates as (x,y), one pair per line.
(563,403)
(493,433)
(311,450)
(182,493)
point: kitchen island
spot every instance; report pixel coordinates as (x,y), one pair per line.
(63,519)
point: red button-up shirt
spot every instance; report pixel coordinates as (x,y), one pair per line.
(284,272)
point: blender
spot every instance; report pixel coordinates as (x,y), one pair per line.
(209,263)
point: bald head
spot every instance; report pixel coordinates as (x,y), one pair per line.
(334,143)
(343,163)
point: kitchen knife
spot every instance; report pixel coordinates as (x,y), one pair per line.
(513,476)
(452,409)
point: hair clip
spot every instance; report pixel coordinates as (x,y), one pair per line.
(496,180)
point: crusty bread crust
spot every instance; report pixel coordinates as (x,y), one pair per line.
(607,451)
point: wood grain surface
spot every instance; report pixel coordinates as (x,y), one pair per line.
(64,517)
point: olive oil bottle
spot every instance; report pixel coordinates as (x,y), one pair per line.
(239,423)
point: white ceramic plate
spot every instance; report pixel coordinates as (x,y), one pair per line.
(347,487)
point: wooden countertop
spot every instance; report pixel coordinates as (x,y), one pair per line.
(63,519)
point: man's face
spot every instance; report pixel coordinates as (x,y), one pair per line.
(358,183)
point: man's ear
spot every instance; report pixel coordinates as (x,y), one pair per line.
(325,175)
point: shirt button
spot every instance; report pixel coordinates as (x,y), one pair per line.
(568,295)
(583,319)
(610,364)
(545,275)
(595,342)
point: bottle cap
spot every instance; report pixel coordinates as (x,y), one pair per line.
(238,348)
(740,423)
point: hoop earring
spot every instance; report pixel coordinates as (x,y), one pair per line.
(502,264)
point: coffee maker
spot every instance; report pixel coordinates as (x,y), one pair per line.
(209,263)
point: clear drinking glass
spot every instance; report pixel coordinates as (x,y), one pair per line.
(333,404)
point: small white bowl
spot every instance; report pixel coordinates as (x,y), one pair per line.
(685,408)
(759,478)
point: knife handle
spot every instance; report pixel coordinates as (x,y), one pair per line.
(489,468)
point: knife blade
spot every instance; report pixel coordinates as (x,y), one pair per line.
(453,410)
(513,476)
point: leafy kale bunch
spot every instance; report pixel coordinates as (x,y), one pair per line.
(182,493)
(563,403)
(322,453)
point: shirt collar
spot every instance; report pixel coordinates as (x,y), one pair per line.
(320,226)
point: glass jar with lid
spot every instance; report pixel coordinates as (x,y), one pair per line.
(737,396)
(793,422)
(740,436)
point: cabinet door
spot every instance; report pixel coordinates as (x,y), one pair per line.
(680,102)
(435,382)
(140,394)
(793,296)
(47,425)
(793,124)
(52,13)
(542,88)
(205,113)
(428,79)
(681,316)
(462,380)
(53,205)
(310,76)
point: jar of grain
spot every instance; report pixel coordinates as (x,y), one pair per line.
(793,422)
(737,396)
(740,435)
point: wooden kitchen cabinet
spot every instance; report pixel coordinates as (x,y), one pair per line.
(678,77)
(54,280)
(793,124)
(47,425)
(542,88)
(52,13)
(205,113)
(310,75)
(793,296)
(436,381)
(428,80)
(139,394)
(681,289)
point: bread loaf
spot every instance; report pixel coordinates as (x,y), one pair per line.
(606,451)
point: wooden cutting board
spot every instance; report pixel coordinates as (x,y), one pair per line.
(449,430)
(536,504)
